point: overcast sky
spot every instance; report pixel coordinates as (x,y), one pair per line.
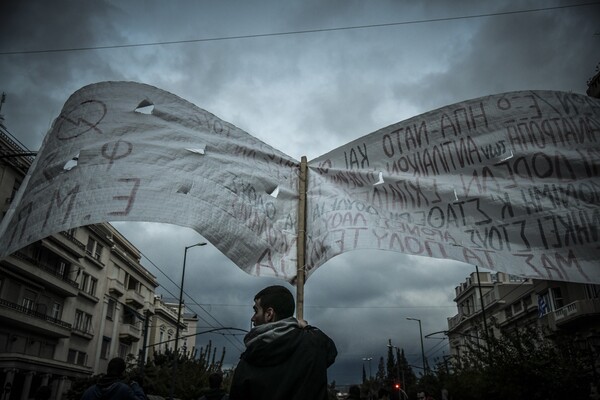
(304,94)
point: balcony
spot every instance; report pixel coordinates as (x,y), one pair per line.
(38,271)
(95,258)
(576,310)
(134,299)
(115,287)
(86,334)
(453,322)
(129,333)
(149,306)
(165,311)
(72,243)
(15,315)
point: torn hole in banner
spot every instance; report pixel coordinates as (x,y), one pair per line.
(72,163)
(184,188)
(508,157)
(380,181)
(198,150)
(455,195)
(145,107)
(274,193)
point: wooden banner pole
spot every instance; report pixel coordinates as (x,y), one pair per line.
(300,276)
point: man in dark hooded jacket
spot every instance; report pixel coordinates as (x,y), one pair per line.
(111,386)
(216,392)
(284,358)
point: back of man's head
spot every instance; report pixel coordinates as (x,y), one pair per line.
(214,380)
(116,367)
(279,298)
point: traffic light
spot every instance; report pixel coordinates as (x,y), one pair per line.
(397,386)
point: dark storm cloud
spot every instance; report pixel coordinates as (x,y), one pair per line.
(552,50)
(38,84)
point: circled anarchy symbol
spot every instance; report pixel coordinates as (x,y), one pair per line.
(81,119)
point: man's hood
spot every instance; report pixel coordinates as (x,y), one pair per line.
(271,344)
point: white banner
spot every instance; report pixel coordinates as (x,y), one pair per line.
(170,162)
(507,182)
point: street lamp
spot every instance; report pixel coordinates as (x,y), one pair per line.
(176,351)
(369,360)
(422,349)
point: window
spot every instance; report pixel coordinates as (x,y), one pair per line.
(72,356)
(87,322)
(88,284)
(591,291)
(98,252)
(55,313)
(76,357)
(467,307)
(133,284)
(91,245)
(110,309)
(94,249)
(92,287)
(29,300)
(129,316)
(557,298)
(47,350)
(61,269)
(83,322)
(4,341)
(84,281)
(123,350)
(105,351)
(517,307)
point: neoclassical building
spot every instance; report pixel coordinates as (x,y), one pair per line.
(508,302)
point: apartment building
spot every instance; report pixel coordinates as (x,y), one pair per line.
(510,302)
(69,302)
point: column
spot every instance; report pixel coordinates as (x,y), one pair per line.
(68,315)
(27,385)
(115,333)
(100,336)
(45,379)
(62,387)
(7,386)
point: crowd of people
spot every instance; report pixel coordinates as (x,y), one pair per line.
(285,358)
(385,394)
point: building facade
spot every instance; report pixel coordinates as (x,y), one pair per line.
(163,327)
(508,302)
(69,302)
